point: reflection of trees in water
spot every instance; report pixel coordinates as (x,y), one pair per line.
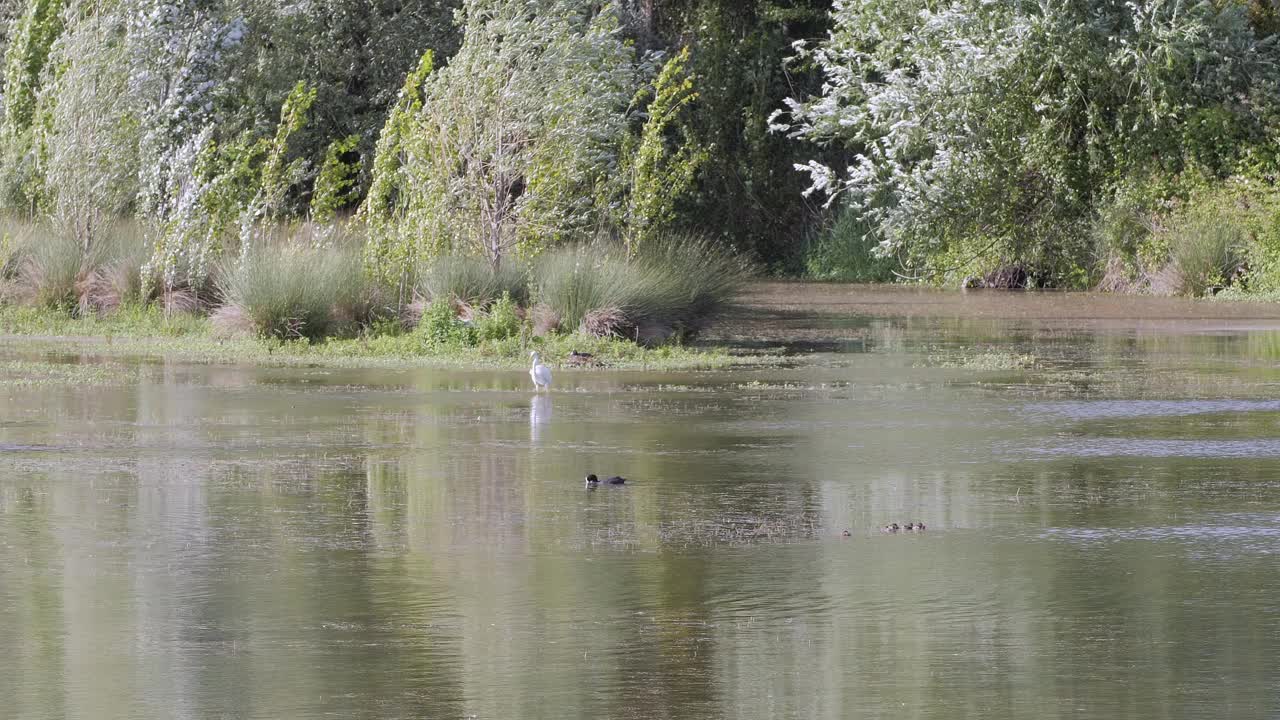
(253,553)
(31,600)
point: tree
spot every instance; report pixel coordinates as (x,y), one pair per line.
(662,162)
(989,128)
(355,53)
(747,193)
(25,57)
(514,141)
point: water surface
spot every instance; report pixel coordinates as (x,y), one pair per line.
(1100,478)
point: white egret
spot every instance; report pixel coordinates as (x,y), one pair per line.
(540,373)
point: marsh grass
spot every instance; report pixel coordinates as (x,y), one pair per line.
(846,251)
(671,288)
(286,291)
(473,281)
(1204,251)
(44,267)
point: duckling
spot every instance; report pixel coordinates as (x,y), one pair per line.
(593,481)
(891,528)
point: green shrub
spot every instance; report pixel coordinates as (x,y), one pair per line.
(501,321)
(440,327)
(474,281)
(286,292)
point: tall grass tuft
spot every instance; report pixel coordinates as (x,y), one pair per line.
(116,280)
(1204,252)
(44,267)
(474,281)
(285,291)
(672,287)
(848,251)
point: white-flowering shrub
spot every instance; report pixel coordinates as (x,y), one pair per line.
(992,125)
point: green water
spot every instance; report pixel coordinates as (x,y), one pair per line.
(1103,511)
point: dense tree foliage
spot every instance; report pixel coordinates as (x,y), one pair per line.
(1060,138)
(514,142)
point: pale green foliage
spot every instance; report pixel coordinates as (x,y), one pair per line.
(221,192)
(25,57)
(387,196)
(90,136)
(500,321)
(180,62)
(663,163)
(984,129)
(335,186)
(514,138)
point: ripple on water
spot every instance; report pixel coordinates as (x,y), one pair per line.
(1149,448)
(1234,535)
(1103,409)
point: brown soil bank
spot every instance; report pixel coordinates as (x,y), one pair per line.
(797,311)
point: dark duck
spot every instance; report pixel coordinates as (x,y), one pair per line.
(593,481)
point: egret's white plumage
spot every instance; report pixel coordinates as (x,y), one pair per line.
(540,373)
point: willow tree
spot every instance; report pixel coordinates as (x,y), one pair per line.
(514,142)
(26,54)
(89,132)
(988,129)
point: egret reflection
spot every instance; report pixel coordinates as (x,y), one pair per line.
(539,416)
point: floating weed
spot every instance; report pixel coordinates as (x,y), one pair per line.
(987,360)
(25,373)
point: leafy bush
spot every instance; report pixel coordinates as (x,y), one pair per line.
(1184,235)
(440,327)
(294,292)
(907,83)
(474,281)
(501,321)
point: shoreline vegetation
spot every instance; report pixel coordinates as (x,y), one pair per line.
(493,177)
(147,332)
(762,320)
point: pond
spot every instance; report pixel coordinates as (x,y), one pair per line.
(1099,477)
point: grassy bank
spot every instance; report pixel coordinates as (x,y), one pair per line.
(147,331)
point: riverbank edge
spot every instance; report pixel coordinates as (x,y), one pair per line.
(148,332)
